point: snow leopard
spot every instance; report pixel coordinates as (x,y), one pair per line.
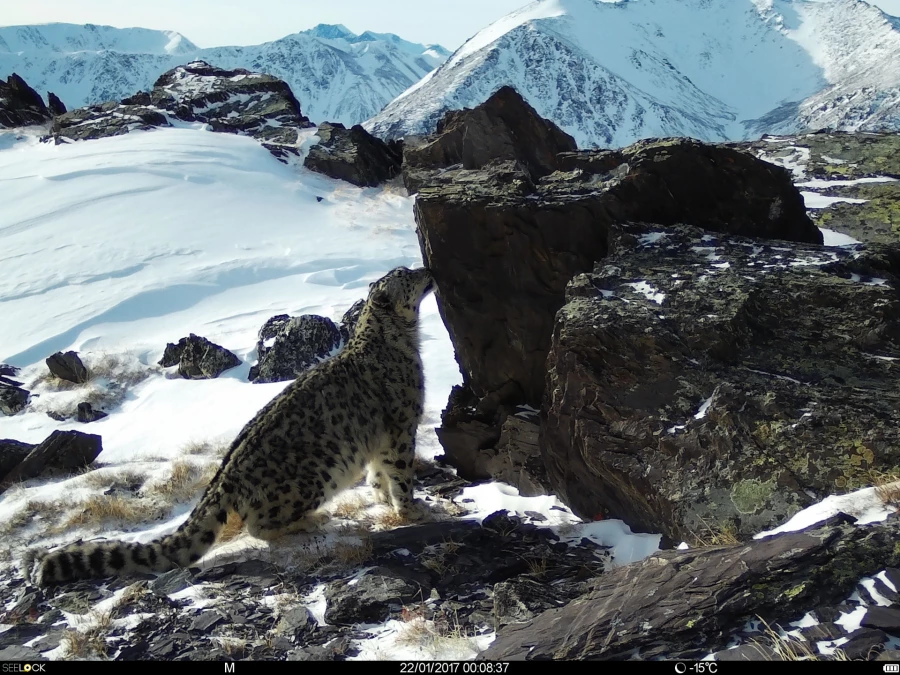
(352,416)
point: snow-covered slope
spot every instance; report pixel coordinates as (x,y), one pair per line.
(336,75)
(610,73)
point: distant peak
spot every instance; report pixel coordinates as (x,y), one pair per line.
(330,31)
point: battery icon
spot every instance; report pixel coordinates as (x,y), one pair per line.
(892,667)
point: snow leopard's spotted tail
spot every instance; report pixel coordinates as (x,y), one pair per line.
(110,558)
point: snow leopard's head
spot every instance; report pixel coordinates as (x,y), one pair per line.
(400,291)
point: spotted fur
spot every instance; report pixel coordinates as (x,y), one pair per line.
(355,413)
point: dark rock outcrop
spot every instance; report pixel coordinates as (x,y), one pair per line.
(20,105)
(685,604)
(55,105)
(502,245)
(85,413)
(61,451)
(13,399)
(288,346)
(842,156)
(353,155)
(232,101)
(11,453)
(198,359)
(372,597)
(68,366)
(504,127)
(104,120)
(710,382)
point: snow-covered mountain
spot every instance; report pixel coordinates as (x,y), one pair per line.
(611,72)
(336,75)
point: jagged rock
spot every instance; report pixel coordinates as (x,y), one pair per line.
(7,370)
(68,366)
(104,120)
(350,319)
(864,644)
(171,582)
(55,105)
(198,359)
(522,599)
(20,105)
(233,101)
(504,127)
(11,453)
(372,597)
(20,654)
(353,155)
(646,605)
(86,413)
(12,398)
(823,631)
(503,244)
(288,346)
(882,618)
(61,451)
(699,381)
(296,623)
(752,651)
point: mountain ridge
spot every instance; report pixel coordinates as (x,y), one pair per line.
(336,75)
(717,70)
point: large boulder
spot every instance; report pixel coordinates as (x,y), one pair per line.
(504,127)
(289,346)
(502,245)
(686,604)
(234,101)
(61,452)
(699,382)
(197,358)
(11,453)
(20,105)
(353,155)
(13,398)
(68,366)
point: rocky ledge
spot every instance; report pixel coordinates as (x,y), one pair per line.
(232,101)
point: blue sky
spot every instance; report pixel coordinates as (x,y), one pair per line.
(211,23)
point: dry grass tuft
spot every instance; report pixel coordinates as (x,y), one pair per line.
(351,507)
(184,483)
(34,510)
(389,519)
(104,479)
(887,487)
(206,447)
(112,508)
(789,648)
(232,646)
(84,644)
(440,636)
(716,534)
(437,557)
(349,554)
